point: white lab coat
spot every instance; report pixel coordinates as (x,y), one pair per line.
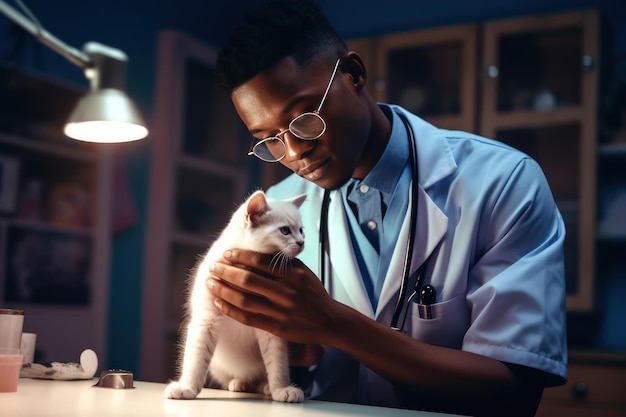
(487,220)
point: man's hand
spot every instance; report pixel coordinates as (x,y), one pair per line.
(289,302)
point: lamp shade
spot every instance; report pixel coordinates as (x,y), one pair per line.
(106,115)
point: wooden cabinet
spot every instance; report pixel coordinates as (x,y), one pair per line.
(595,388)
(198,177)
(431,73)
(540,92)
(55,210)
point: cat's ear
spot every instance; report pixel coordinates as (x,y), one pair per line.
(297,200)
(257,207)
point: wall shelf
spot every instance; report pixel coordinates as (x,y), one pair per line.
(55,227)
(196,182)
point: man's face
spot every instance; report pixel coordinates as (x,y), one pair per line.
(269,101)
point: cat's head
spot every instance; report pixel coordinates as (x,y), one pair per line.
(275,226)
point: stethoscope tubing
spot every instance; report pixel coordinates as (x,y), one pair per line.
(323,233)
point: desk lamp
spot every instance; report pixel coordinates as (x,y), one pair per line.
(105,113)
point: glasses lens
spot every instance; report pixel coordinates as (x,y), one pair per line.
(270,149)
(308,126)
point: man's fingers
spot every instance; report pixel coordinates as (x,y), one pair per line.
(243,297)
(248,258)
(244,279)
(250,282)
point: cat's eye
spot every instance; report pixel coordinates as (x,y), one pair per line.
(285,230)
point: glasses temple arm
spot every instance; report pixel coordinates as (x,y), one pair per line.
(332,78)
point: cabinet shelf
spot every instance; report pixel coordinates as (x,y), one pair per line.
(197,179)
(50,149)
(42,226)
(54,218)
(613,238)
(616,150)
(535,118)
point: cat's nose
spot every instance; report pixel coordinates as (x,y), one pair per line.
(300,243)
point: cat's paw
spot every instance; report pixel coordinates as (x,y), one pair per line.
(288,394)
(178,391)
(237,385)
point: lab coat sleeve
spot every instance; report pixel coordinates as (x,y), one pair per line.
(516,288)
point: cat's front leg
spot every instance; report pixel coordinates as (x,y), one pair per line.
(199,347)
(276,359)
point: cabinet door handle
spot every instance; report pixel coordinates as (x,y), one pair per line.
(579,390)
(492,71)
(588,62)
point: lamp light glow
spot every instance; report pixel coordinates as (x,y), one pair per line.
(105,131)
(105,115)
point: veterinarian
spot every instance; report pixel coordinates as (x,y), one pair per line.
(475,323)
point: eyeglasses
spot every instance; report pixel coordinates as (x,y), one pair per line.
(307,126)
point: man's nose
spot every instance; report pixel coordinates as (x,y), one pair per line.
(296,148)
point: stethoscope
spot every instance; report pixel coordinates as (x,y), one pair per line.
(427,294)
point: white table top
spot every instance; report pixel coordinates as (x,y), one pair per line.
(37,398)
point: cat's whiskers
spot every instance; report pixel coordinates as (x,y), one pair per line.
(279,261)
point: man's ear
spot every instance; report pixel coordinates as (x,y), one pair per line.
(353,64)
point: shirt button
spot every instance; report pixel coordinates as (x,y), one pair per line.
(371,225)
(364,188)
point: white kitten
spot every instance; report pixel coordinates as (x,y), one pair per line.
(236,356)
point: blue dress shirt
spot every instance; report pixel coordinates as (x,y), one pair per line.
(376,206)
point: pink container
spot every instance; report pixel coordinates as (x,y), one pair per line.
(10,365)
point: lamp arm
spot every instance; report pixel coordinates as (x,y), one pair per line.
(105,114)
(73,55)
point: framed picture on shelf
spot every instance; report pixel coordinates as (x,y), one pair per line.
(9,179)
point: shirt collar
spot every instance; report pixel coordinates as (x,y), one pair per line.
(386,173)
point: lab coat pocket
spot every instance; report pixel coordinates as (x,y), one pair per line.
(447,327)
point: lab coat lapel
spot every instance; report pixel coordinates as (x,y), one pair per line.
(346,284)
(432,224)
(435,162)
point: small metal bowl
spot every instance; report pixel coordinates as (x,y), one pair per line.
(115,378)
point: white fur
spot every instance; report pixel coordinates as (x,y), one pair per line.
(235,356)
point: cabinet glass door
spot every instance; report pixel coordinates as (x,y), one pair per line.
(430,73)
(540,70)
(540,95)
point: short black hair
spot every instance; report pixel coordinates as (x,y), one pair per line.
(275,30)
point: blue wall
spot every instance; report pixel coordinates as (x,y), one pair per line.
(133,26)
